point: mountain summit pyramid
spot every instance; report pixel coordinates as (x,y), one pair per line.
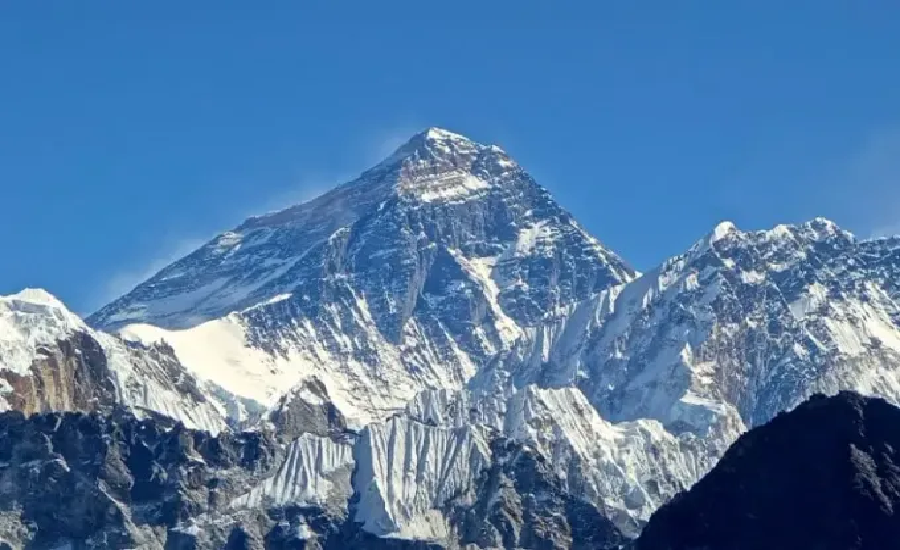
(412,276)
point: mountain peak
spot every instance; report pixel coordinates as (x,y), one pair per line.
(437,144)
(722,230)
(35,296)
(440,134)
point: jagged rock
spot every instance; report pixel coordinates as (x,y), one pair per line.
(114,481)
(307,408)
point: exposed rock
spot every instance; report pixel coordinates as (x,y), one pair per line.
(825,475)
(114,481)
(70,376)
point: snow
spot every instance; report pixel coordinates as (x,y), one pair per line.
(273,300)
(812,299)
(612,464)
(482,271)
(217,351)
(441,134)
(449,187)
(531,238)
(722,230)
(406,470)
(28,320)
(315,472)
(620,389)
(752,277)
(33,319)
(779,232)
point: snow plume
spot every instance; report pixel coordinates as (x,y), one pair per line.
(122,281)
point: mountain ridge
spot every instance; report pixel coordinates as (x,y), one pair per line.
(444,331)
(443,217)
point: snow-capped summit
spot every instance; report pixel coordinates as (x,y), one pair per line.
(433,143)
(411,276)
(30,318)
(752,322)
(722,230)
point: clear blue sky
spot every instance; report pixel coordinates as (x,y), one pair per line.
(131,131)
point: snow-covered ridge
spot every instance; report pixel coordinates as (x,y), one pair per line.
(33,322)
(697,332)
(407,470)
(628,468)
(29,319)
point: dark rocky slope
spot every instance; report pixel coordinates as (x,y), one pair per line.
(80,481)
(822,476)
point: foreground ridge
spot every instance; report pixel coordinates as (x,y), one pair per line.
(824,475)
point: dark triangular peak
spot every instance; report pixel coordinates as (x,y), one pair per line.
(824,475)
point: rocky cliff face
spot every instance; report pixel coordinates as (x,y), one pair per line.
(113,481)
(824,475)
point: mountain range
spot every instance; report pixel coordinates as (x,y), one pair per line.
(433,355)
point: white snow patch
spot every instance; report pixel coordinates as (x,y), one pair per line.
(406,470)
(532,237)
(815,296)
(33,319)
(217,351)
(721,231)
(752,277)
(28,320)
(315,472)
(447,187)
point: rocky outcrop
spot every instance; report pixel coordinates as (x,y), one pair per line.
(92,481)
(114,481)
(307,408)
(50,360)
(522,503)
(69,376)
(825,475)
